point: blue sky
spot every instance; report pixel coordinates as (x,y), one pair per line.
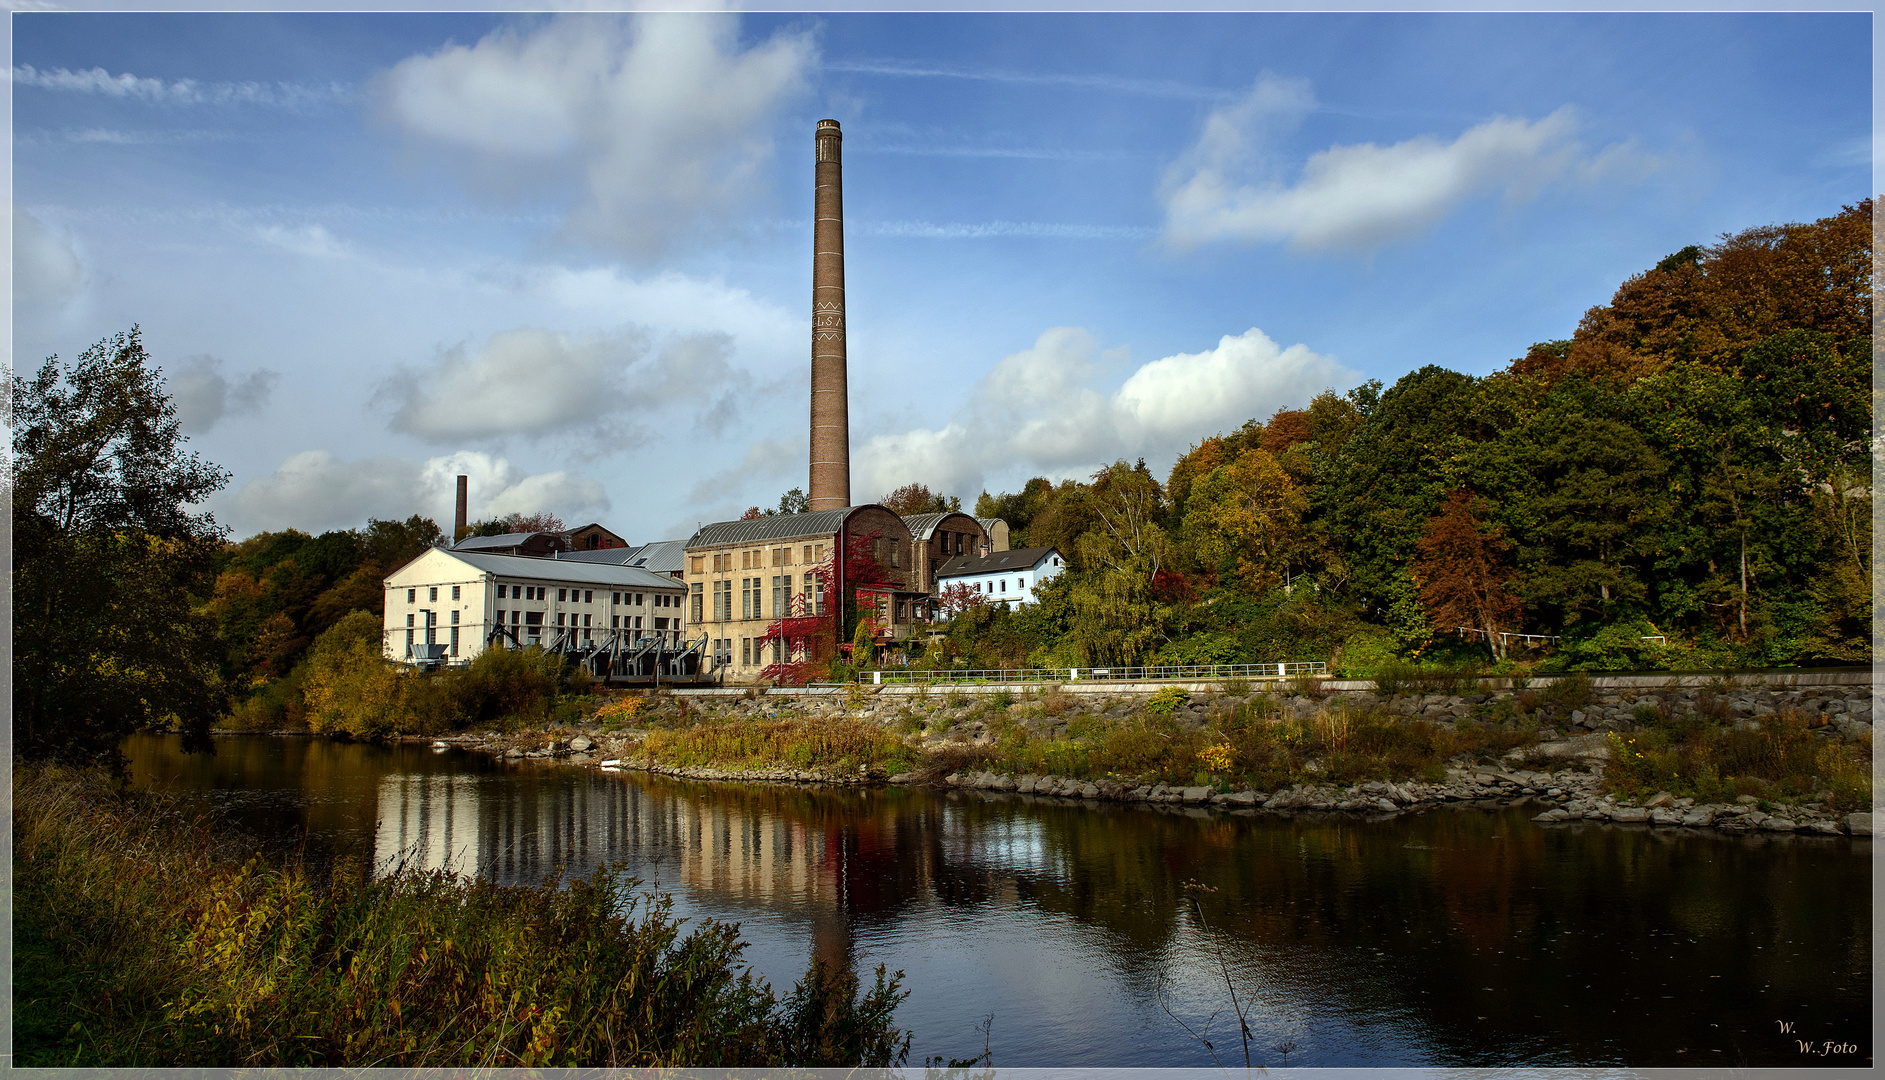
(569,255)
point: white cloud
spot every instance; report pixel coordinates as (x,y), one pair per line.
(314,491)
(313,241)
(204,394)
(602,387)
(1358,197)
(47,273)
(176,92)
(663,117)
(1038,412)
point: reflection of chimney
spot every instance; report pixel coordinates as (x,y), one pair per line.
(458,522)
(831,423)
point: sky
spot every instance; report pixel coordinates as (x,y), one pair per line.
(569,254)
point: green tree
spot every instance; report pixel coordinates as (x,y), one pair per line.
(107,553)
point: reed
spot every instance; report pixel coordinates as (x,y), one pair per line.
(155,946)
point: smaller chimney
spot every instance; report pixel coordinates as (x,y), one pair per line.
(464,498)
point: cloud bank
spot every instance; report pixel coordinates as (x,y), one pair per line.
(47,273)
(204,395)
(1036,411)
(178,91)
(314,491)
(606,389)
(1231,185)
(664,118)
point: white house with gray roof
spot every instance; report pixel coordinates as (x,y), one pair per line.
(448,605)
(1005,577)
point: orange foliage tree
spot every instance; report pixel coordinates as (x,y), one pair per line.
(1466,575)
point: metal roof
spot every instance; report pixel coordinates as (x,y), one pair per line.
(587,573)
(988,525)
(622,556)
(477,543)
(771,527)
(923,526)
(1016,559)
(660,557)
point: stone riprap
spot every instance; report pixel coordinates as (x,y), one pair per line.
(1573,743)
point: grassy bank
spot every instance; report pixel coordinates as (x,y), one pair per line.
(1239,739)
(147,939)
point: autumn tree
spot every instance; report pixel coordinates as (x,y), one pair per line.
(1466,573)
(912,499)
(1243,520)
(108,549)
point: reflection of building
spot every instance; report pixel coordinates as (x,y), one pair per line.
(428,821)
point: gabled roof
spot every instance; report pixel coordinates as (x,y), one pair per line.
(622,556)
(772,527)
(587,573)
(660,557)
(500,540)
(1016,559)
(923,526)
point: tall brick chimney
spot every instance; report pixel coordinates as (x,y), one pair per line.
(459,526)
(831,418)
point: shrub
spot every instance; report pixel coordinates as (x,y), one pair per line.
(176,948)
(1167,699)
(1002,699)
(1236,687)
(1571,691)
(622,712)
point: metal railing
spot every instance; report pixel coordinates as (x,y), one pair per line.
(1182,672)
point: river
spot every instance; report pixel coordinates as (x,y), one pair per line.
(1455,937)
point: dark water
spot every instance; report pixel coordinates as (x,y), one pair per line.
(1450,938)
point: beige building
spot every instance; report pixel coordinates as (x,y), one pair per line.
(448,605)
(742,576)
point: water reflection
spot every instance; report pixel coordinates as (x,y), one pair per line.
(1450,938)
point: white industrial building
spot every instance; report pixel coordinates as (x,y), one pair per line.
(1002,577)
(447,606)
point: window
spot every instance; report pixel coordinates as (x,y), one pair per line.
(698,601)
(454,616)
(615,598)
(585,619)
(1004,584)
(700,563)
(589,596)
(454,645)
(661,624)
(808,589)
(746,598)
(412,595)
(779,587)
(615,622)
(408,620)
(722,601)
(818,553)
(818,594)
(746,652)
(778,650)
(514,615)
(432,593)
(500,616)
(559,618)
(808,553)
(637,620)
(562,595)
(454,592)
(408,639)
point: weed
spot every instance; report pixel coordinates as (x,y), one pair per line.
(1167,699)
(1309,686)
(1236,687)
(956,699)
(1571,691)
(1002,699)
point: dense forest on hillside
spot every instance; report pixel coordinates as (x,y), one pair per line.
(1684,482)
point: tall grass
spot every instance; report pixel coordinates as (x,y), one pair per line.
(830,744)
(153,947)
(1780,759)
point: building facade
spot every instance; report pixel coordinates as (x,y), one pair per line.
(743,576)
(939,538)
(1005,577)
(997,532)
(448,605)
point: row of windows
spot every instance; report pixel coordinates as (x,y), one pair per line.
(754,558)
(565,596)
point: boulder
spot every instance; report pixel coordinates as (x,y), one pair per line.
(1386,804)
(1778,824)
(1197,794)
(1664,815)
(1698,818)
(1859,824)
(581,743)
(1661,798)
(1088,791)
(1554,814)
(1822,828)
(1629,814)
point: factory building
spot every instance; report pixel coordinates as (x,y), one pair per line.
(743,576)
(1004,577)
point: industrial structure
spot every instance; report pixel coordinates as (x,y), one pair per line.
(831,417)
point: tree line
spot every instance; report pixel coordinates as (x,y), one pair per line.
(1684,482)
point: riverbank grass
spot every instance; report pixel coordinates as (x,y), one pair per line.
(1778,758)
(839,746)
(150,944)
